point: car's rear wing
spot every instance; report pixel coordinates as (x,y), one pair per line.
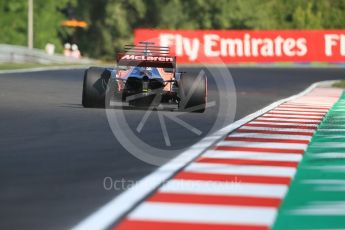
(124,59)
(146,55)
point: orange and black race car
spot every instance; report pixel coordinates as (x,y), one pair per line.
(145,76)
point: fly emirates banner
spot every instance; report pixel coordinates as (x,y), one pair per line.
(238,46)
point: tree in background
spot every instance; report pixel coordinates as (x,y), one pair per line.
(13,22)
(47,22)
(111,22)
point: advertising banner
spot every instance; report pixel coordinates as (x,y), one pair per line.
(243,46)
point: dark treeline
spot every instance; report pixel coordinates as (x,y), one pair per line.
(111,22)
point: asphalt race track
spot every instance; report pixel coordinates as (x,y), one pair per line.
(55,154)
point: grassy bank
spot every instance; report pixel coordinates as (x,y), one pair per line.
(340,84)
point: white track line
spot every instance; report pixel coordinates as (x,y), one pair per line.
(281,108)
(303,106)
(298,113)
(248,170)
(271,136)
(224,188)
(278,129)
(290,115)
(197,213)
(290,120)
(253,156)
(258,122)
(120,205)
(311,103)
(268,145)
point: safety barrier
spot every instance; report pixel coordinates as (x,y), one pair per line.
(20,54)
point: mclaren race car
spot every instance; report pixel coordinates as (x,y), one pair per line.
(145,77)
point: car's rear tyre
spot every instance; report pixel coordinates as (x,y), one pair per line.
(193,93)
(94,87)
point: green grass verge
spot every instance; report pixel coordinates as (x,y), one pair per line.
(339,84)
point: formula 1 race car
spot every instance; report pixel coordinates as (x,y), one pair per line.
(145,76)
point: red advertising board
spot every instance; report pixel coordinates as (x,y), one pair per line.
(238,46)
